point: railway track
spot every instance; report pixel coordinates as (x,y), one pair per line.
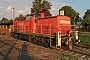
(82,45)
(83,49)
(81,52)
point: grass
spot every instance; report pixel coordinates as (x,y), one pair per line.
(66,56)
(85,38)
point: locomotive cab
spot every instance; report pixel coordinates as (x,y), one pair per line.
(38,15)
(42,14)
(28,17)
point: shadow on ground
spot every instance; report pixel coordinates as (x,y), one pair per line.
(23,54)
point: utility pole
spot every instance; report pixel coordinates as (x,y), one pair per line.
(74,23)
(74,20)
(13,13)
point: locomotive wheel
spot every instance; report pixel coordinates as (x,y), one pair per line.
(46,42)
(16,36)
(39,41)
(11,34)
(64,43)
(19,36)
(43,41)
(34,40)
(30,38)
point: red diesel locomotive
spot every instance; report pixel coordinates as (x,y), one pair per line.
(43,29)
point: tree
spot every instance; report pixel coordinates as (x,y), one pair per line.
(10,21)
(4,20)
(68,11)
(21,17)
(87,14)
(46,5)
(39,5)
(86,22)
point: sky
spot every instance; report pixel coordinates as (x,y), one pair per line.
(23,7)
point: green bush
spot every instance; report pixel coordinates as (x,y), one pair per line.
(85,38)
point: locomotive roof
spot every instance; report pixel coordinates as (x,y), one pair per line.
(38,12)
(44,12)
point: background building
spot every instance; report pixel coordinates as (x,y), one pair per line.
(79,23)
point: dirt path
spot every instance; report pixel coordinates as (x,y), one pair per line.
(25,50)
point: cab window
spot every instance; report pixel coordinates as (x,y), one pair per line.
(46,15)
(38,15)
(28,18)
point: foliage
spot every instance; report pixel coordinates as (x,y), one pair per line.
(21,17)
(68,11)
(86,22)
(40,5)
(85,38)
(86,25)
(5,21)
(10,21)
(87,14)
